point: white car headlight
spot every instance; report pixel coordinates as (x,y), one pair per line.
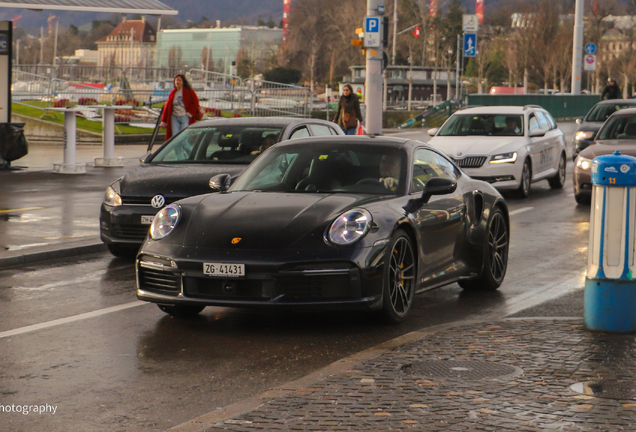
(111,197)
(586,135)
(583,163)
(504,158)
(350,227)
(165,221)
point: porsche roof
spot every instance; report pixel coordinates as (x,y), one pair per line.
(150,7)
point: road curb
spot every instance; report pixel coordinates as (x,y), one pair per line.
(207,422)
(52,252)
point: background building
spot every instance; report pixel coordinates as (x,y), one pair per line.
(130,44)
(214,49)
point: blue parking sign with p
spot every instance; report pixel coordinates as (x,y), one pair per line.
(470,44)
(372,25)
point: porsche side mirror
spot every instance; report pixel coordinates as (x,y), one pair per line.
(432,131)
(579,120)
(537,133)
(220,182)
(435,186)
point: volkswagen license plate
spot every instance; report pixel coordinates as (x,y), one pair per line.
(146,220)
(224,270)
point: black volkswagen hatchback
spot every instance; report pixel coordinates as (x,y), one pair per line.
(328,222)
(183,166)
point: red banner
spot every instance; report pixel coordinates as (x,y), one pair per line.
(416,32)
(479,10)
(433,8)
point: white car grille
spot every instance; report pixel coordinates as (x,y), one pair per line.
(470,161)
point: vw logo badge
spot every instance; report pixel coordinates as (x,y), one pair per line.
(157,201)
(459,153)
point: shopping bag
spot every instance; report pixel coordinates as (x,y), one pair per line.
(360,130)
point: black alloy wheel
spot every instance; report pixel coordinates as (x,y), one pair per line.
(181,311)
(558,180)
(495,256)
(526,180)
(399,278)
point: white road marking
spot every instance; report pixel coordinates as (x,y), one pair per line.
(521,210)
(57,322)
(571,282)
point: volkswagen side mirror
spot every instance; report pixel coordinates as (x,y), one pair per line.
(220,182)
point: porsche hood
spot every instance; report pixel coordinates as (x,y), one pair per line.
(264,220)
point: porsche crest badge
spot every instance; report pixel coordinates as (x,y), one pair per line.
(235,240)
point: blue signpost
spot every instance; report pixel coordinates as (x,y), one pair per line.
(470,44)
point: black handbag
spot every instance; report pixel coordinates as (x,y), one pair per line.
(13,143)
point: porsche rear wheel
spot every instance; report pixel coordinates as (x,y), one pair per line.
(495,256)
(399,278)
(181,311)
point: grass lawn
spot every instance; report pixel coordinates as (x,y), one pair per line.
(82,123)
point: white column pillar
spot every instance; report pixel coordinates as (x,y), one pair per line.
(577,50)
(68,166)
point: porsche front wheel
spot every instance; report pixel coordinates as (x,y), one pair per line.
(399,278)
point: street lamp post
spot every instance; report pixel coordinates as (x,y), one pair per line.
(577,47)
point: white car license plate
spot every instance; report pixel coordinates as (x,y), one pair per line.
(146,220)
(224,270)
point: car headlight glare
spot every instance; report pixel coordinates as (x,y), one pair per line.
(350,227)
(111,197)
(165,221)
(504,158)
(583,163)
(584,135)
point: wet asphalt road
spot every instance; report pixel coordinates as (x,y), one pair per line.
(137,369)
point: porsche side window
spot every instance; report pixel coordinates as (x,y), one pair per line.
(300,133)
(428,164)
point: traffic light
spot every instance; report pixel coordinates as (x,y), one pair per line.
(385,31)
(359,42)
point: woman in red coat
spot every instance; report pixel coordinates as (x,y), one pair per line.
(180,108)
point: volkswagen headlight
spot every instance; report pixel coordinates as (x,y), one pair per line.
(350,227)
(583,163)
(165,221)
(504,158)
(111,197)
(584,135)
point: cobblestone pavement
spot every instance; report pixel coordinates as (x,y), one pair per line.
(504,375)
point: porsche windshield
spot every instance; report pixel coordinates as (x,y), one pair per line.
(217,145)
(329,168)
(483,124)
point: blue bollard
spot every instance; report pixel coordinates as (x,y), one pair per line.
(610,288)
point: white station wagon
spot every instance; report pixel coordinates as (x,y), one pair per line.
(507,146)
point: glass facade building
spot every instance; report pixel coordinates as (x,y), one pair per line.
(214,49)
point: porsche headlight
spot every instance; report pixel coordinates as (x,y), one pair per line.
(350,227)
(583,163)
(584,135)
(504,158)
(165,221)
(111,197)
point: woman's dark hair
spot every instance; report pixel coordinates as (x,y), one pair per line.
(349,87)
(186,84)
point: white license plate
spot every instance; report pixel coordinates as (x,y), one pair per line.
(147,220)
(224,270)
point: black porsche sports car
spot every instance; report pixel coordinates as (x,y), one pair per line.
(328,222)
(183,166)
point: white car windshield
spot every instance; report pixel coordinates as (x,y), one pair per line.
(483,124)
